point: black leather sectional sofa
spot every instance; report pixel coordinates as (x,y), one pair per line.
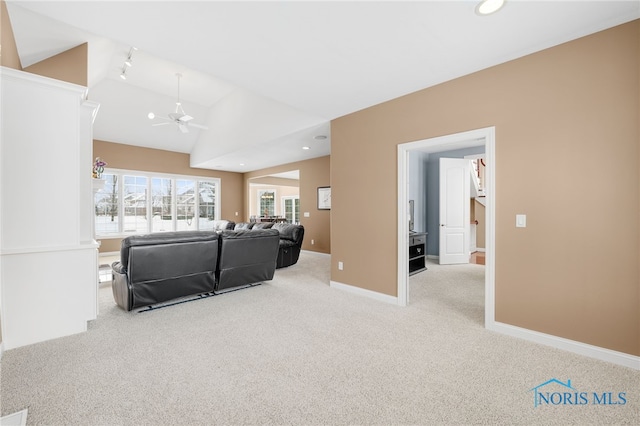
(291,237)
(157,268)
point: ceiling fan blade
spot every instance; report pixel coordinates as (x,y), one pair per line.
(198,126)
(185,118)
(161,124)
(183,128)
(168,120)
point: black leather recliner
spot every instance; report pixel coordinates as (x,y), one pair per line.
(155,268)
(290,243)
(246,257)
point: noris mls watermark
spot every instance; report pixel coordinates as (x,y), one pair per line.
(556,392)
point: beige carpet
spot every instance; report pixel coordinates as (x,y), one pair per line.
(296,352)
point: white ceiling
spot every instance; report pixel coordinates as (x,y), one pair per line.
(266,77)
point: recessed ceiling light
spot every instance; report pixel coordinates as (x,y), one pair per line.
(151,116)
(242,164)
(487,7)
(305,147)
(320,137)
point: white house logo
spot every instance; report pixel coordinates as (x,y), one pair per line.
(555,392)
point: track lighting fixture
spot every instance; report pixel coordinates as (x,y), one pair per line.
(128,62)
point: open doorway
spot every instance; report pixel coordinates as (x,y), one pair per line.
(275,198)
(474,138)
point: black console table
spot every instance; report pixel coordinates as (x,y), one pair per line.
(417,252)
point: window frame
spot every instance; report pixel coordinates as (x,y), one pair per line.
(217,182)
(261,192)
(295,211)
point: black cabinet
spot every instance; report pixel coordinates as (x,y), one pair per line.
(417,252)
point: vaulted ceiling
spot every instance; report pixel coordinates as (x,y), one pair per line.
(267,77)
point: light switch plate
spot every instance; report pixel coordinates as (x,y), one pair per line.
(306,214)
(521,221)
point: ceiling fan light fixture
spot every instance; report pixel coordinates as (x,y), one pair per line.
(123,74)
(180,118)
(487,7)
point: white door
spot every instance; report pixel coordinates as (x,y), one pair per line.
(454,210)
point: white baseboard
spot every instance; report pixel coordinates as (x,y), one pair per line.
(433,257)
(1,349)
(608,355)
(317,252)
(364,292)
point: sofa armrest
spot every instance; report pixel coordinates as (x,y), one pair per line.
(118,268)
(120,286)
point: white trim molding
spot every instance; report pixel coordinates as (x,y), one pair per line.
(317,253)
(603,354)
(484,136)
(364,292)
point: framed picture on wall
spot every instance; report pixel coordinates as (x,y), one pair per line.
(324,198)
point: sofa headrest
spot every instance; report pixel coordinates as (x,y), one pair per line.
(243,225)
(290,232)
(176,237)
(221,225)
(263,225)
(246,233)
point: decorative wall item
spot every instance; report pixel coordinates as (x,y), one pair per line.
(98,168)
(324,198)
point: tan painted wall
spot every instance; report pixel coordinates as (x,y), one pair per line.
(8,50)
(70,66)
(566,134)
(129,157)
(313,173)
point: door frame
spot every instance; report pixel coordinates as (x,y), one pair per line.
(484,136)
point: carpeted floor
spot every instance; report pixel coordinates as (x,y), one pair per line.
(294,351)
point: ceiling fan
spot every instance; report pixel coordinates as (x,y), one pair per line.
(179,117)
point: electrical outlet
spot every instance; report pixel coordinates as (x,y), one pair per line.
(313,242)
(236,213)
(340,266)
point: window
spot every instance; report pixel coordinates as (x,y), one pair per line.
(161,204)
(267,202)
(207,204)
(134,200)
(291,207)
(186,204)
(106,204)
(139,202)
